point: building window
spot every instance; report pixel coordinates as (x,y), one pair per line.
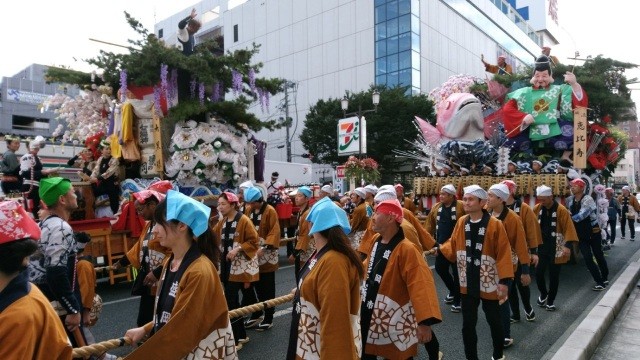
(160,33)
(27,123)
(235,33)
(397,32)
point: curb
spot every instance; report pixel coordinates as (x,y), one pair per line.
(584,340)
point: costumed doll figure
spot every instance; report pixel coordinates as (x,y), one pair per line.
(85,161)
(105,177)
(602,209)
(31,171)
(545,110)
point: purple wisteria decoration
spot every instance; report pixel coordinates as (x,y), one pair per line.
(123,85)
(157,95)
(267,97)
(164,71)
(261,97)
(201,93)
(215,92)
(192,88)
(252,80)
(236,80)
(173,85)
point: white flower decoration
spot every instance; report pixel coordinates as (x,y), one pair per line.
(207,155)
(184,137)
(185,159)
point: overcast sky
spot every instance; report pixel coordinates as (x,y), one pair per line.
(58,32)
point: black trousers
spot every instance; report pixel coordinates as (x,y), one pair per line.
(548,262)
(231,293)
(110,188)
(448,272)
(611,232)
(145,310)
(632,226)
(8,187)
(433,346)
(491,310)
(590,247)
(525,293)
(261,290)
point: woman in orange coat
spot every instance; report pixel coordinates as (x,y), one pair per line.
(325,322)
(146,255)
(191,317)
(239,260)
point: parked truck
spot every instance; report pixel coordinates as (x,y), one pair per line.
(290,173)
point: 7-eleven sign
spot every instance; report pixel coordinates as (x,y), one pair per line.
(350,134)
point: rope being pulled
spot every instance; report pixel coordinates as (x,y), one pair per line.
(104,346)
(287,239)
(260,306)
(99,348)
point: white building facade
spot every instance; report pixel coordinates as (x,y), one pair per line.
(626,172)
(328,47)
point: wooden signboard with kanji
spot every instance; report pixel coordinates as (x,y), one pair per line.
(580,138)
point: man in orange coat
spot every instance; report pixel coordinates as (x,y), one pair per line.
(440,223)
(531,230)
(480,246)
(397,280)
(497,196)
(556,244)
(501,69)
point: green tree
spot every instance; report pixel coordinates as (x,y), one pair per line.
(388,129)
(208,65)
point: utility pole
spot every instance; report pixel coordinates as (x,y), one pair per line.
(286,118)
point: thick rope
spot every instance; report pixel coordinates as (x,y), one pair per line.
(99,348)
(283,240)
(102,347)
(260,306)
(430,252)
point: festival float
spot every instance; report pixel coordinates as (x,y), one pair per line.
(166,116)
(474,139)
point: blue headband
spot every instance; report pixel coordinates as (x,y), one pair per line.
(325,214)
(188,211)
(305,191)
(252,194)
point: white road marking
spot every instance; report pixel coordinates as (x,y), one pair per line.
(119,301)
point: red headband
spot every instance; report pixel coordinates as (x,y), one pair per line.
(391,207)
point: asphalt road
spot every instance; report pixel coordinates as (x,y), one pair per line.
(532,339)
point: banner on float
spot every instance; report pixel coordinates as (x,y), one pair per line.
(580,138)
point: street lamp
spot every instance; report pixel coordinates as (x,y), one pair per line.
(344,103)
